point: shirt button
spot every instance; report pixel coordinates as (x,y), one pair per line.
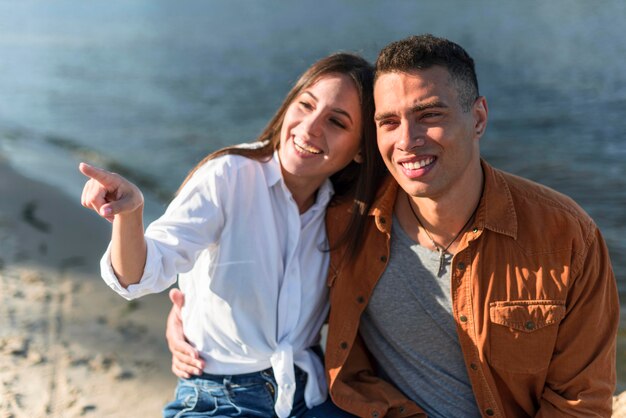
(360,299)
(489,412)
(463,318)
(473,366)
(343,345)
(461,266)
(383,258)
(530,325)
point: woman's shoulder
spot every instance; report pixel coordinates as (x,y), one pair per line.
(228,165)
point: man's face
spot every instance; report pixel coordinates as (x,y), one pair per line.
(428,142)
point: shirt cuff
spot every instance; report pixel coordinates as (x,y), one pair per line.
(133,291)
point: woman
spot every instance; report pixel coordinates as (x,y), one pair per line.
(246,236)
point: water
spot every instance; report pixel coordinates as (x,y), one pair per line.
(148,87)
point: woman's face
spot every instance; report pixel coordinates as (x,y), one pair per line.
(321,131)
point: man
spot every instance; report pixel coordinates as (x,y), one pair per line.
(476,292)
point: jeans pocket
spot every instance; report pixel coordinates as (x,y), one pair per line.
(192,400)
(187,396)
(185,399)
(522,334)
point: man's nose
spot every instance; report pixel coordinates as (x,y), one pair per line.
(411,136)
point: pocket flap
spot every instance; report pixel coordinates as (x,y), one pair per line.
(527,315)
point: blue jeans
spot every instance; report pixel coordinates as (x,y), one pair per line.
(327,410)
(244,395)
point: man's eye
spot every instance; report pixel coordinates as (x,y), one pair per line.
(431,115)
(387,123)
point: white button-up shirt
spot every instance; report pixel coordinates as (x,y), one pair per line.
(252,269)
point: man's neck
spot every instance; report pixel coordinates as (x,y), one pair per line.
(442,217)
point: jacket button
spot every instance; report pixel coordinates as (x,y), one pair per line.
(402,410)
(489,412)
(383,220)
(375,414)
(530,325)
(343,345)
(461,266)
(475,230)
(473,366)
(463,318)
(383,258)
(360,299)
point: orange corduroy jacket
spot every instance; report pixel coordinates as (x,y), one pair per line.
(534,300)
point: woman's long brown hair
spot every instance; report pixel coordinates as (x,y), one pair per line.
(357,182)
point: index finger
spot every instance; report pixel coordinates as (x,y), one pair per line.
(101,176)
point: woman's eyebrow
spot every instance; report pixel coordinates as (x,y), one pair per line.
(334,109)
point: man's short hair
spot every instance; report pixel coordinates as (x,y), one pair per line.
(425,51)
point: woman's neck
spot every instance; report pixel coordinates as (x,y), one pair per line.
(304,191)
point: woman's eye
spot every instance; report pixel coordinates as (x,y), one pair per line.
(306,105)
(338,123)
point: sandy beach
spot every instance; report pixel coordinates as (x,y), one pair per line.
(69,346)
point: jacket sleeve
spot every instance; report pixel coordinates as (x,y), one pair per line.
(582,373)
(359,390)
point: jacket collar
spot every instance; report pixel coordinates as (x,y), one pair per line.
(496,211)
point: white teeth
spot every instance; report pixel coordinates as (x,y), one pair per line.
(304,147)
(418,164)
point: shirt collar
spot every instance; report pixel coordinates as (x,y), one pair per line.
(496,210)
(272,170)
(274,175)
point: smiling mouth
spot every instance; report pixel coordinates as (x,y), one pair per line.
(303,147)
(416,165)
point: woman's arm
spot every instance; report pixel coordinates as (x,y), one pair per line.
(185,358)
(120,202)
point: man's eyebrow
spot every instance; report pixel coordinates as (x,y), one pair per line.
(334,109)
(417,108)
(428,105)
(385,115)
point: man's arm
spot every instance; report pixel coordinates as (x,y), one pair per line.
(582,373)
(185,358)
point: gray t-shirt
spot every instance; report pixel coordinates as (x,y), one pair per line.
(409,329)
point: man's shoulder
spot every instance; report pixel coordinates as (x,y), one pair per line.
(540,206)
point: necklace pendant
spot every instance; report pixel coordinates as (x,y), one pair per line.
(442,255)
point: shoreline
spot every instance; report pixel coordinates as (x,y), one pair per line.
(69,346)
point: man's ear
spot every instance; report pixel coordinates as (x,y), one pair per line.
(480,111)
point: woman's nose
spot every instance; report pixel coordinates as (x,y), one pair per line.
(312,124)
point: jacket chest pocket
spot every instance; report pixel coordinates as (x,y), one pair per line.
(523,334)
